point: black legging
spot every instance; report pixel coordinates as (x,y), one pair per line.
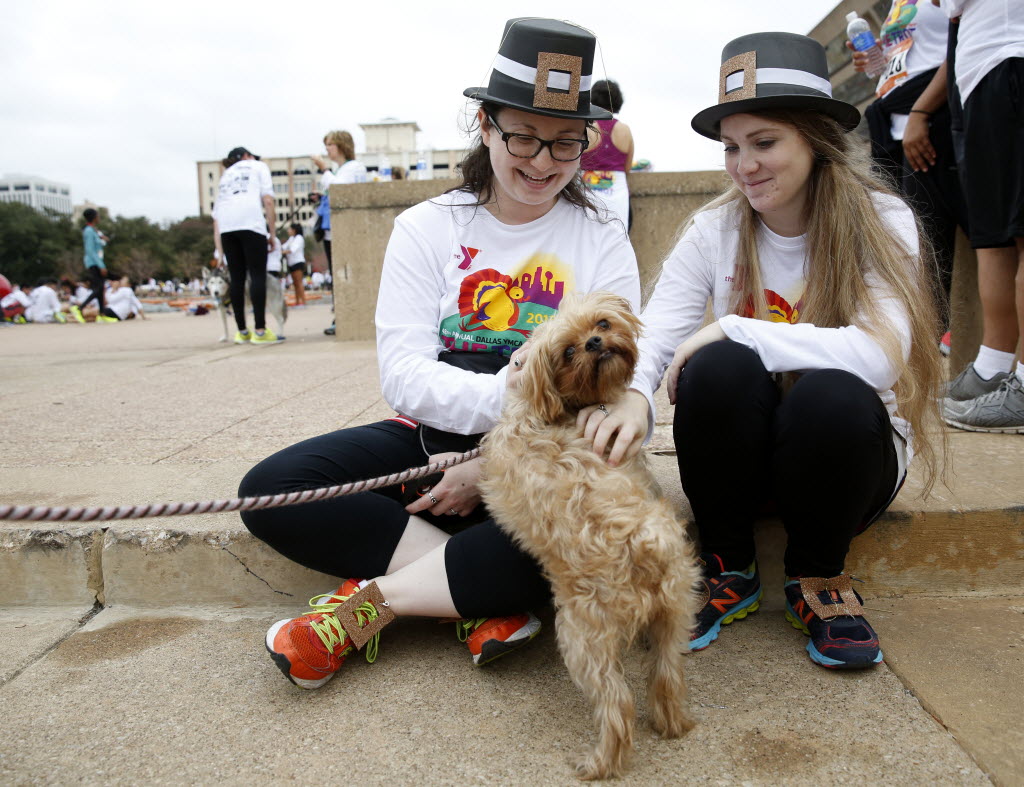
(247,254)
(356,535)
(97,277)
(822,455)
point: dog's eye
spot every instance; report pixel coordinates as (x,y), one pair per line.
(602,324)
(569,352)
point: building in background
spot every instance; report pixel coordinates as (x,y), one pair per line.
(36,192)
(396,140)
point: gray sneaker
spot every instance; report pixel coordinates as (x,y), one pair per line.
(1001,410)
(968,385)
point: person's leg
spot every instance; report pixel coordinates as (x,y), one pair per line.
(300,291)
(833,467)
(255,247)
(722,433)
(997,287)
(232,245)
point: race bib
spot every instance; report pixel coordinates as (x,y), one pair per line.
(895,67)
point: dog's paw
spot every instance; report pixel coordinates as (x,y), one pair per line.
(223,339)
(592,767)
(671,722)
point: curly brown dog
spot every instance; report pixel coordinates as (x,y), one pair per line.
(618,560)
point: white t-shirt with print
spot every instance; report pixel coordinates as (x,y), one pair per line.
(702,266)
(454,277)
(914,36)
(239,204)
(991,31)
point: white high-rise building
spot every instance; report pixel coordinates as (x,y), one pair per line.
(36,192)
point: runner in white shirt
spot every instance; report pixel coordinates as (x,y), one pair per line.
(466,277)
(819,371)
(243,224)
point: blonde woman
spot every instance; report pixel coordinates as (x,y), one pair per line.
(808,393)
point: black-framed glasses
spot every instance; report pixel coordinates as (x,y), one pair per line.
(526,146)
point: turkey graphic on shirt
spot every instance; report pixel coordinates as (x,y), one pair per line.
(779,309)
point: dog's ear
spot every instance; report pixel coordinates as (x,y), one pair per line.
(538,386)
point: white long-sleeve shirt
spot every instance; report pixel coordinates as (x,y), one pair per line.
(702,266)
(123,302)
(455,277)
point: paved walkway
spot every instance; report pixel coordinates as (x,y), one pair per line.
(132,651)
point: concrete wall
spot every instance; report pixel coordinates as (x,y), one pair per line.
(362,217)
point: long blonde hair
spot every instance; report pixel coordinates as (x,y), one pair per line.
(846,241)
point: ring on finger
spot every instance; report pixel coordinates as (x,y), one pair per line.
(453,512)
(432,498)
(603,409)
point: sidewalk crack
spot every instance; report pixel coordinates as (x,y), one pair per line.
(261,579)
(97,608)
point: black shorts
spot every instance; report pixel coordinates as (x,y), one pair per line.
(993,170)
(299,266)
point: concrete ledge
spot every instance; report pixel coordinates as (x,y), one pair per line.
(51,565)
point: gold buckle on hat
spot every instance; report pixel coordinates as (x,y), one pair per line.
(543,98)
(747,63)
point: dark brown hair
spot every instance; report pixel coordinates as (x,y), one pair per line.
(478,175)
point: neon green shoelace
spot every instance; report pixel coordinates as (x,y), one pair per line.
(464,628)
(330,630)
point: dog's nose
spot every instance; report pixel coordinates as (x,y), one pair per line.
(593,344)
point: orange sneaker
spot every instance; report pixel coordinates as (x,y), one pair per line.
(309,649)
(491,638)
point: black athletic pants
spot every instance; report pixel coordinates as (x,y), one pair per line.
(97,278)
(821,456)
(356,535)
(247,254)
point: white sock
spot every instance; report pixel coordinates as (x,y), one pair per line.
(991,362)
(1020,371)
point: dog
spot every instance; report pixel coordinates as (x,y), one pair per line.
(617,558)
(218,285)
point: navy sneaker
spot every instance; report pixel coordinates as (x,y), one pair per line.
(829,611)
(727,596)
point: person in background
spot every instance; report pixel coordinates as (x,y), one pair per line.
(340,168)
(122,304)
(275,263)
(988,395)
(15,302)
(96,271)
(295,251)
(910,128)
(243,228)
(44,305)
(607,161)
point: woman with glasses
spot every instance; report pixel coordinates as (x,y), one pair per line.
(466,278)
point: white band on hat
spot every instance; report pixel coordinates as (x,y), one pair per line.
(521,73)
(782,76)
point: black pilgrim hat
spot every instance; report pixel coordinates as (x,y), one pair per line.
(545,67)
(773,71)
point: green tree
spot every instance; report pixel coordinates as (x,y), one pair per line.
(34,244)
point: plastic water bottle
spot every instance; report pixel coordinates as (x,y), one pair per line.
(859,32)
(421,169)
(385,169)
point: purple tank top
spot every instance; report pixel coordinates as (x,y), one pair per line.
(605,156)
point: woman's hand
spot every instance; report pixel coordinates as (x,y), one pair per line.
(917,144)
(515,366)
(455,494)
(860,59)
(684,352)
(622,425)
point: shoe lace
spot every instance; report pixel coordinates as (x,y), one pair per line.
(463,628)
(1010,383)
(330,630)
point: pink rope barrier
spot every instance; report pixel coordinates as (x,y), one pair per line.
(104,513)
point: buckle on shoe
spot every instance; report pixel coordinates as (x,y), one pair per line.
(360,633)
(842,584)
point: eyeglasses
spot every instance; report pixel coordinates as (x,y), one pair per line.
(526,146)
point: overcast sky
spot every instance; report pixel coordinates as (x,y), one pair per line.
(120,99)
